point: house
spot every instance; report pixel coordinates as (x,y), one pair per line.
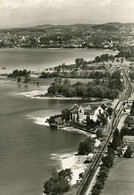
(84,111)
(80,113)
(74,113)
(100,110)
(128,141)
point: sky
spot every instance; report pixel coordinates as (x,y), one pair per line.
(20,13)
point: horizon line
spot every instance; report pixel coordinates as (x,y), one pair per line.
(49,24)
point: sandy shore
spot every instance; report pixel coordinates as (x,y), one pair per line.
(71,160)
(32,94)
(38,95)
(39,120)
(75,130)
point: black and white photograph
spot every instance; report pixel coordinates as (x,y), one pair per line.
(66,97)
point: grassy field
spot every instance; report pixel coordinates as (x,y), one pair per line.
(121,178)
(82,80)
(48,81)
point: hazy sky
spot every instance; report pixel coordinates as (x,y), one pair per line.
(16,13)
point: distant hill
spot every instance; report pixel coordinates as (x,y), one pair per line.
(107,26)
(77,28)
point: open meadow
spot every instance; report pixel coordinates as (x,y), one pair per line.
(121,178)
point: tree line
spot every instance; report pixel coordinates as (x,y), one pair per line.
(18,73)
(98,88)
(76,74)
(126,52)
(59,183)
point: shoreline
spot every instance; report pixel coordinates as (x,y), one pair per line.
(52,64)
(36,94)
(70,160)
(67,160)
(42,121)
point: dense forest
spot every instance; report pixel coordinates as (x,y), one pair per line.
(127,52)
(108,88)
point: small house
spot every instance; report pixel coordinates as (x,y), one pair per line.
(128,141)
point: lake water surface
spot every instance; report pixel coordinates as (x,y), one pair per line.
(26,148)
(39,59)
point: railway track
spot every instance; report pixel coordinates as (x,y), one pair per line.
(118,109)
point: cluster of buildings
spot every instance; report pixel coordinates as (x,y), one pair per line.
(80,113)
(45,41)
(66,37)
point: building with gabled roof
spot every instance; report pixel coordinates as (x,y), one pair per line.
(80,113)
(84,111)
(74,112)
(103,106)
(101,109)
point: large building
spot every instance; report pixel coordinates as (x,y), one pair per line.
(80,113)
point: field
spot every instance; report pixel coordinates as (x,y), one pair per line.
(121,178)
(48,81)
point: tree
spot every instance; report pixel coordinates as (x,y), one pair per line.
(107,161)
(58,183)
(111,152)
(90,122)
(67,173)
(99,184)
(86,146)
(51,89)
(124,131)
(19,79)
(116,142)
(15,73)
(104,168)
(95,191)
(58,81)
(67,82)
(128,153)
(99,133)
(117,60)
(103,174)
(66,115)
(81,176)
(115,81)
(132,109)
(122,60)
(56,186)
(79,61)
(97,59)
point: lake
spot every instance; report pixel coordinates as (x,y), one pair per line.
(39,59)
(26,148)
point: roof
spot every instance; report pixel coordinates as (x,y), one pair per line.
(74,108)
(103,106)
(128,138)
(86,106)
(89,112)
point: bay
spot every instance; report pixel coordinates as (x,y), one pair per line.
(26,148)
